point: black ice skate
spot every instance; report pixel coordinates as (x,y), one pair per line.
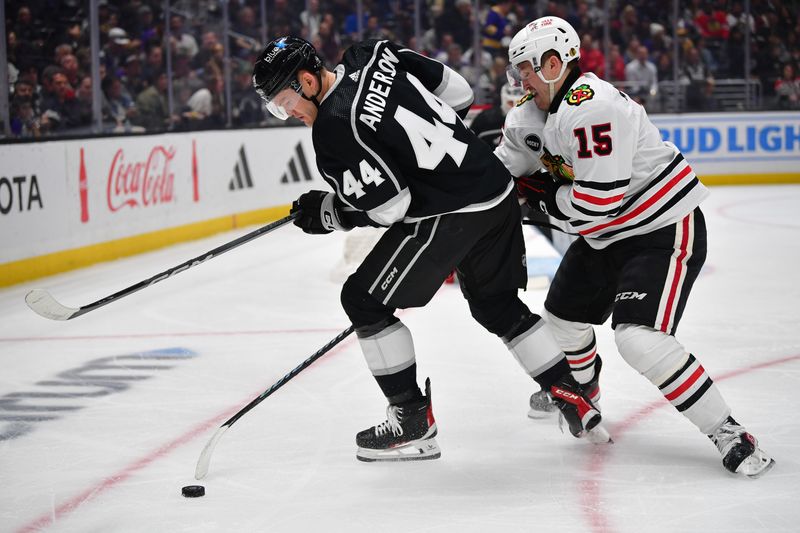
(406,435)
(740,451)
(541,402)
(582,417)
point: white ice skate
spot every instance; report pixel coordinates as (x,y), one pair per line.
(740,452)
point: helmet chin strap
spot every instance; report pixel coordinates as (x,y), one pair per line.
(313,99)
(551,84)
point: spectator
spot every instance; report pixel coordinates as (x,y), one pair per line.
(120,108)
(247,106)
(285,20)
(23,112)
(154,64)
(132,76)
(60,110)
(182,41)
(83,95)
(734,54)
(185,81)
(61,51)
(787,89)
(628,25)
(592,58)
(631,49)
(375,30)
(205,108)
(491,81)
(311,18)
(24,121)
(642,77)
(707,56)
(440,54)
(455,60)
(145,28)
(329,43)
(497,28)
(247,41)
(208,45)
(457,22)
(660,42)
(69,64)
(616,64)
(116,50)
(664,67)
(698,81)
(152,107)
(712,23)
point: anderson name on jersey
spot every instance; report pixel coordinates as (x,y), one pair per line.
(389,140)
(627,180)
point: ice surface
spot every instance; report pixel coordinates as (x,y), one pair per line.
(111,410)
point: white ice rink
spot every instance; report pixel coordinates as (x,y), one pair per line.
(102,418)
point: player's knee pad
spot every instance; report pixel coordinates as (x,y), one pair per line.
(653,353)
(570,335)
(388,349)
(361,307)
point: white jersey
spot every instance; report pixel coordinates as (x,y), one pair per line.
(626,180)
(520,148)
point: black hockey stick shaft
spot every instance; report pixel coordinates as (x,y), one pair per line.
(285,379)
(44,304)
(529,222)
(205,456)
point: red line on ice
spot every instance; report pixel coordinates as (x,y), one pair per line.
(175,334)
(590,486)
(111,481)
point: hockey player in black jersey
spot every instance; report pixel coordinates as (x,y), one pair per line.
(390,143)
(634,200)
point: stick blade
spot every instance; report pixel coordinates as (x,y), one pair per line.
(45,305)
(204,461)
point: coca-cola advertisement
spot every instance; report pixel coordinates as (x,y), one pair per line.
(141,182)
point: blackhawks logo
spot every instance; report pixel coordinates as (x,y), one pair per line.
(579,94)
(528,96)
(556,165)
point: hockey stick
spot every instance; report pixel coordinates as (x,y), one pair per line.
(529,222)
(205,456)
(43,303)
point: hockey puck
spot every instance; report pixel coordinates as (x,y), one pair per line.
(193,491)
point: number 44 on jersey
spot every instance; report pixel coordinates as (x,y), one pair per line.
(369,176)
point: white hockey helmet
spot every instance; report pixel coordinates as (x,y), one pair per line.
(509,96)
(537,38)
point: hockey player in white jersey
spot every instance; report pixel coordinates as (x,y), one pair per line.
(634,200)
(390,144)
(520,149)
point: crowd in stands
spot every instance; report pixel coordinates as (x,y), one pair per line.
(49,54)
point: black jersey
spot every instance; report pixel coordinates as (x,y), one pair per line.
(488,125)
(392,148)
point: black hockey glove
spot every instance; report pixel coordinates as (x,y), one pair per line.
(539,191)
(319,213)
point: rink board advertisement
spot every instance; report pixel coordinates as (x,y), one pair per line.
(735,148)
(67,204)
(71,203)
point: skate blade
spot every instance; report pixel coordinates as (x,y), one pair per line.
(756,471)
(421,450)
(598,435)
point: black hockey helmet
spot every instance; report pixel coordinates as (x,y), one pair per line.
(277,66)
